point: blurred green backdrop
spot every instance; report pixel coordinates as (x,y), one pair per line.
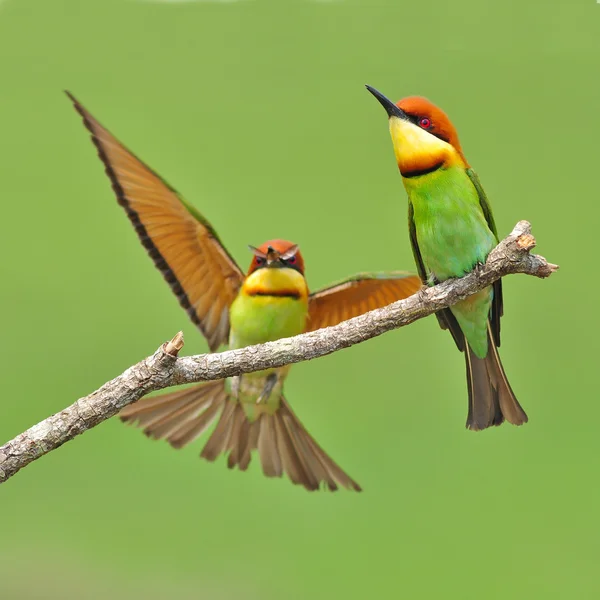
(257,113)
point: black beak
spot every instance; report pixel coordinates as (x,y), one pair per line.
(390,108)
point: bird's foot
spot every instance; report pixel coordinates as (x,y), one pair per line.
(269,385)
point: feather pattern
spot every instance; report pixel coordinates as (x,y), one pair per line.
(359,294)
(457,230)
(179,417)
(182,244)
(267,305)
(284,447)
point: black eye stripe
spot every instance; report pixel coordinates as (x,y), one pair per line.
(441,137)
(261,263)
(416,118)
(413,118)
(292,265)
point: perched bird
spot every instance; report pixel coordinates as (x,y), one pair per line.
(452,230)
(271,301)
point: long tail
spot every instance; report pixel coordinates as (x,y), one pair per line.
(491,399)
(283,444)
(180,416)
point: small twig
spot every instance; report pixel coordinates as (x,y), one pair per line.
(173,347)
(164,369)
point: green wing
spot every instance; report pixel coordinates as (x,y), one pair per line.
(497,305)
(445,317)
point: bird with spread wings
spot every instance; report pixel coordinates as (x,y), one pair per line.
(269,302)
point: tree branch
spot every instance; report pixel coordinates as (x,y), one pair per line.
(164,369)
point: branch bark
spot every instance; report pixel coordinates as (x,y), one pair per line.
(164,369)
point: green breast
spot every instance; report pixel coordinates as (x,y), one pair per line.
(453,236)
(452,232)
(259,319)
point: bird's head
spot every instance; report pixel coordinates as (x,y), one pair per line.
(423,136)
(276,254)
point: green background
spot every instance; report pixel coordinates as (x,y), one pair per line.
(256,112)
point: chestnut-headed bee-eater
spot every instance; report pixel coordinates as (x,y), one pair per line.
(271,301)
(451,231)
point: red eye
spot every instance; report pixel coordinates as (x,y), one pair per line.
(259,260)
(425,123)
(292,260)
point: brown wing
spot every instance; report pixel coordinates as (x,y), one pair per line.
(357,295)
(183,245)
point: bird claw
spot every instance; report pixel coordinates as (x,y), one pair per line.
(479,268)
(269,385)
(431,280)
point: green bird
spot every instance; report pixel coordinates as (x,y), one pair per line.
(270,301)
(451,231)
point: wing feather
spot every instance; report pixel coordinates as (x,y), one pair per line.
(497,302)
(357,295)
(181,242)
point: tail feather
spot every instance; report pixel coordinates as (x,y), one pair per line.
(509,405)
(491,399)
(219,439)
(284,446)
(152,411)
(176,421)
(251,444)
(313,460)
(180,416)
(239,438)
(319,462)
(333,472)
(196,427)
(293,462)
(484,407)
(267,447)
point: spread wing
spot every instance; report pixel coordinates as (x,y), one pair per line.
(357,295)
(182,244)
(445,317)
(497,303)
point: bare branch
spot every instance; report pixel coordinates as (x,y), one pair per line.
(164,369)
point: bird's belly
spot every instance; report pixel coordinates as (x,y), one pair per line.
(453,236)
(452,233)
(450,249)
(260,319)
(256,320)
(452,241)
(252,386)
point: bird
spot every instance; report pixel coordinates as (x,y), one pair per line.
(452,230)
(270,301)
